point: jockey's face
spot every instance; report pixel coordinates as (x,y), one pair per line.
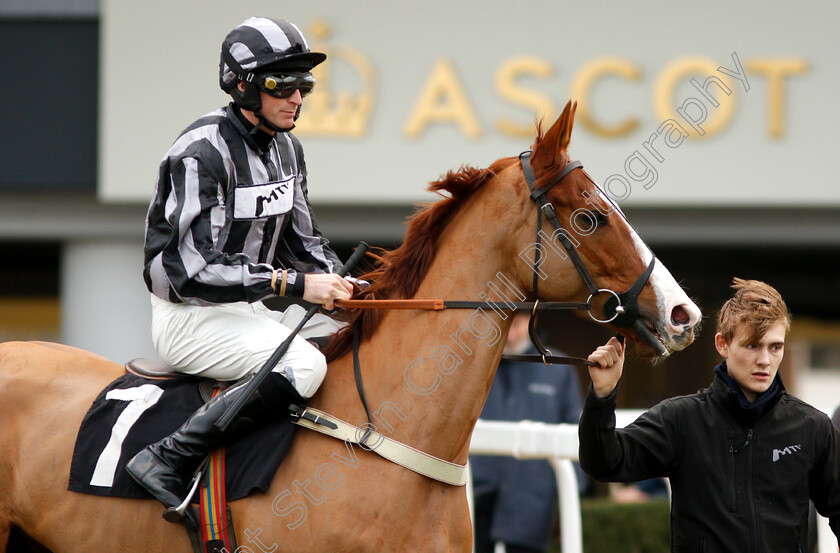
(280,112)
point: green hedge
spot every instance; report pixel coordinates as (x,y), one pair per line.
(610,527)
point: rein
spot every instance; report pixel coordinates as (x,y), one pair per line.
(439,305)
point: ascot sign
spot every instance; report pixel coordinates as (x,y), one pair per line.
(416,111)
(443,99)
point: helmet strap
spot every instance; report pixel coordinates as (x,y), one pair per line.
(263,122)
(249,98)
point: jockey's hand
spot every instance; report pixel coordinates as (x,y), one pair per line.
(610,363)
(325,288)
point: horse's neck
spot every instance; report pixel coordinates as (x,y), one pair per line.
(427,373)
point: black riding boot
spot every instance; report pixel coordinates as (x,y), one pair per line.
(164,468)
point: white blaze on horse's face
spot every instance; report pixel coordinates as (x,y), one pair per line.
(677,316)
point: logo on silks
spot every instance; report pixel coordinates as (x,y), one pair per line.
(257,201)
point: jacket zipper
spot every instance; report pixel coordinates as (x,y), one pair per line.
(269,166)
(749,498)
(734,485)
(273,176)
(748,477)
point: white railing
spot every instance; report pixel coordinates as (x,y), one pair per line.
(536,440)
(558,443)
(826,540)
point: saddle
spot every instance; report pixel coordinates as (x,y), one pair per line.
(149,402)
(155,370)
(160,400)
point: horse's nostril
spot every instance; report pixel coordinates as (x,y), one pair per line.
(679,316)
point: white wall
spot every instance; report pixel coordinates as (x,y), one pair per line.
(104,303)
(42,8)
(160,63)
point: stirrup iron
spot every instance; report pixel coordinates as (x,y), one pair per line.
(177,514)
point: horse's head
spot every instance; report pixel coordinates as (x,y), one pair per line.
(583,236)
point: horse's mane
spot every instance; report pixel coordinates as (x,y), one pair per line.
(399,272)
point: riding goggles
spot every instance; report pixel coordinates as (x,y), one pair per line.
(283,85)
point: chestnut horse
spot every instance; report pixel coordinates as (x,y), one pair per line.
(426,376)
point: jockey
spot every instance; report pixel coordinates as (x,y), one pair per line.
(230,225)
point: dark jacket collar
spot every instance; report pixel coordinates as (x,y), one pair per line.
(730,392)
(259,141)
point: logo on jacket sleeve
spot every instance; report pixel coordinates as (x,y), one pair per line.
(789,450)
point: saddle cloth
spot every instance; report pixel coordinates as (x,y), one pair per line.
(132,412)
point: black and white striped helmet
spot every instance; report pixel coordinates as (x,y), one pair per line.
(260,45)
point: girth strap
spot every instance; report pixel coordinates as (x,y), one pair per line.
(396,452)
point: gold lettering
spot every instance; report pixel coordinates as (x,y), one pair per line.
(506,85)
(666,105)
(582,87)
(442,100)
(776,70)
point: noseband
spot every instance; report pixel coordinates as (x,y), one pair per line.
(621,308)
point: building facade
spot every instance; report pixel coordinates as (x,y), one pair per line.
(713,132)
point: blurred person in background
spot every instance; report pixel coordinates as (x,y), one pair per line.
(515,499)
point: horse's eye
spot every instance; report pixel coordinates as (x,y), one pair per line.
(600,219)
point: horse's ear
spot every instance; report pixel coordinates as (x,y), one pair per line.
(571,108)
(556,140)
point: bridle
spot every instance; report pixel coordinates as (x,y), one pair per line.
(621,309)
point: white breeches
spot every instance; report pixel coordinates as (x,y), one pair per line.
(231,341)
